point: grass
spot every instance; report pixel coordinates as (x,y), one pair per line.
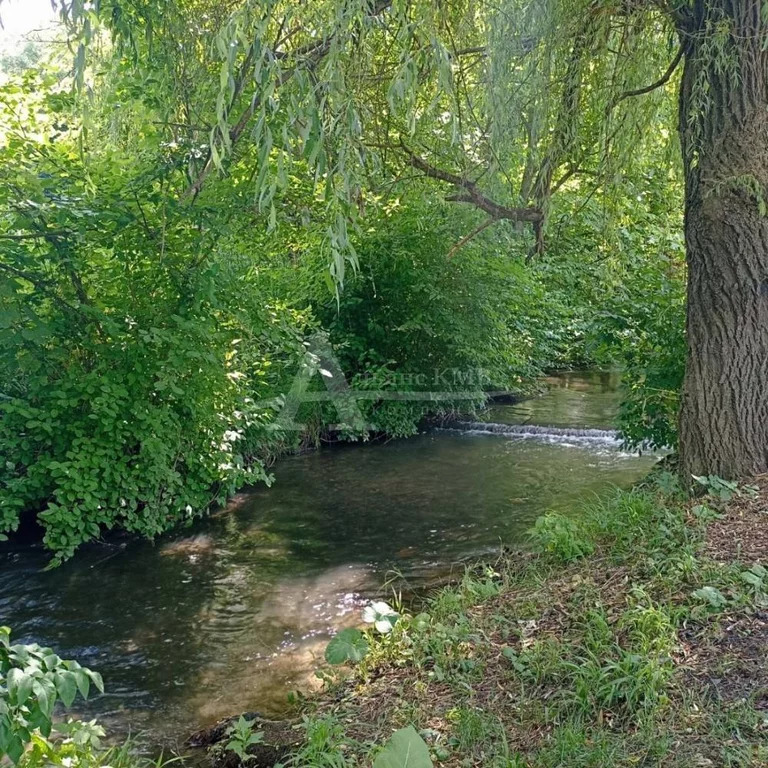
(634,637)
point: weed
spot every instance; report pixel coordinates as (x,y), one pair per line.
(242,736)
(561,537)
(324,746)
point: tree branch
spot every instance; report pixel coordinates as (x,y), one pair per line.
(471,194)
(36,235)
(474,233)
(657,84)
(482,49)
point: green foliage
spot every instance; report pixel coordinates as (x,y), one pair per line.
(562,537)
(755,579)
(131,365)
(724,490)
(712,596)
(352,644)
(348,645)
(324,745)
(172,244)
(412,320)
(602,675)
(32,681)
(82,748)
(405,749)
(633,303)
(639,523)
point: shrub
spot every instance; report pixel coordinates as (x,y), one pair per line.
(32,681)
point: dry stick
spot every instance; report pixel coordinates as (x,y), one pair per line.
(474,233)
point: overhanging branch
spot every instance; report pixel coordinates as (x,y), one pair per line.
(657,84)
(308,56)
(468,192)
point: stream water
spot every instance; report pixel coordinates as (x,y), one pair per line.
(235,612)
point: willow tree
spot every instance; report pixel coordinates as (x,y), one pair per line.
(503,104)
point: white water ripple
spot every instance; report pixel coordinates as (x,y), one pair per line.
(550,434)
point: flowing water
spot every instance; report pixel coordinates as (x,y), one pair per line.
(235,612)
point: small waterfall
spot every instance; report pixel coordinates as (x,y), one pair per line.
(558,434)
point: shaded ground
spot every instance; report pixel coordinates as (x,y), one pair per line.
(742,533)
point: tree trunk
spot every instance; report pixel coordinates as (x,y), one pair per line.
(724,137)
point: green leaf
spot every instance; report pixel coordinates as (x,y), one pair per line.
(14,748)
(24,688)
(95,679)
(752,578)
(406,749)
(66,685)
(711,595)
(46,696)
(347,645)
(14,680)
(83,682)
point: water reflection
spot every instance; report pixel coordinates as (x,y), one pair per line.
(588,400)
(234,613)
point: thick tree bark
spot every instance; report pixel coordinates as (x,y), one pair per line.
(724,409)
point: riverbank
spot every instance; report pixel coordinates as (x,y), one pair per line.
(637,636)
(255,594)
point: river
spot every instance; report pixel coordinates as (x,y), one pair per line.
(234,613)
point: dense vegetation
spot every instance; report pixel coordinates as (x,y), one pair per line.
(171,285)
(232,230)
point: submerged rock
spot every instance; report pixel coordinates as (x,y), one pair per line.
(280,738)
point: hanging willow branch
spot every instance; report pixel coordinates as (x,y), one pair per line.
(307,58)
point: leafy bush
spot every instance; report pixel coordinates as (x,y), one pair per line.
(414,319)
(131,368)
(32,681)
(80,746)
